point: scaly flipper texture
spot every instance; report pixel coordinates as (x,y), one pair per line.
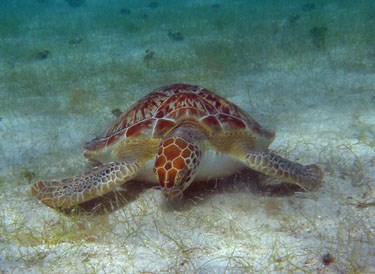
(66,193)
(273,165)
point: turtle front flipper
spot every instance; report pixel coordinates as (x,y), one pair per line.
(305,176)
(66,193)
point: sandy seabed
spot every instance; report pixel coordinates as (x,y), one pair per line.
(306,70)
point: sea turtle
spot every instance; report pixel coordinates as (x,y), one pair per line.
(175,135)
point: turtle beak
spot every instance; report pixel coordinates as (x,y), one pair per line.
(171,193)
(172,190)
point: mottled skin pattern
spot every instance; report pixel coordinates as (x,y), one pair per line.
(173,136)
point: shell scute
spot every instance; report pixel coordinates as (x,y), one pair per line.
(211,121)
(183,104)
(142,128)
(229,122)
(162,126)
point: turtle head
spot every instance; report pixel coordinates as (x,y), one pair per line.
(176,165)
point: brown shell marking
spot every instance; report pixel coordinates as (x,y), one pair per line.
(159,111)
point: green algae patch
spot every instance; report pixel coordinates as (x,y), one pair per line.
(75,230)
(80,100)
(9,26)
(216,55)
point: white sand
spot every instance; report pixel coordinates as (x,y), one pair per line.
(321,103)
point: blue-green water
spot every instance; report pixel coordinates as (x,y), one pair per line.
(306,69)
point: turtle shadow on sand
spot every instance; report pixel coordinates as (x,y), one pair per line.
(198,193)
(248,181)
(109,202)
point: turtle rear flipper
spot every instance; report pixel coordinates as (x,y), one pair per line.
(66,193)
(305,176)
